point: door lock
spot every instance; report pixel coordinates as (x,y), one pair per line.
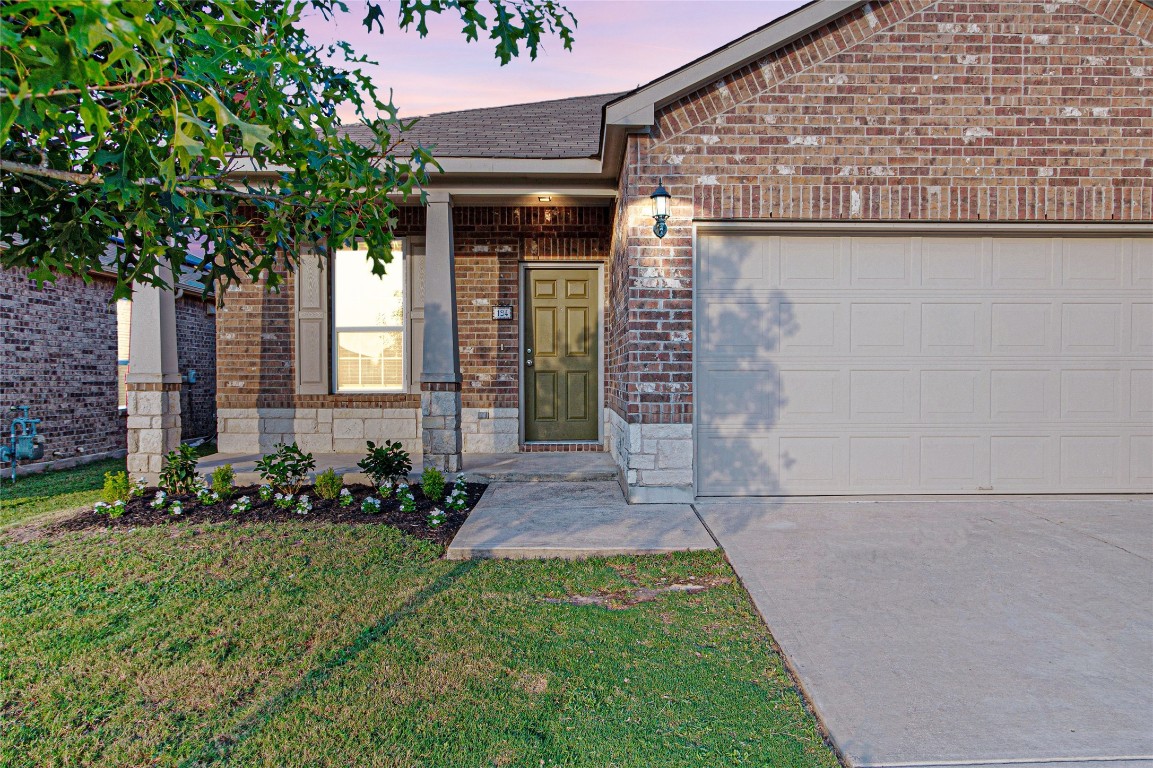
(528,363)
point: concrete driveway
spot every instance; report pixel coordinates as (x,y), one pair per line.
(977,632)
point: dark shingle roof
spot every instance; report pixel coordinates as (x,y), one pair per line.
(544,129)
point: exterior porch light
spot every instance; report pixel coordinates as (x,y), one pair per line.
(660,198)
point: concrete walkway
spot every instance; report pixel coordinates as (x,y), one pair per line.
(1011,631)
(572,520)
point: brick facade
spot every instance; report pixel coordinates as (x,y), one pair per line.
(58,355)
(899,111)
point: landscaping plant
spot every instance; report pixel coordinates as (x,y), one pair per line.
(223,478)
(386,464)
(345,498)
(435,517)
(329,485)
(407,500)
(160,500)
(116,487)
(113,510)
(179,472)
(370,506)
(458,498)
(283,501)
(286,468)
(241,505)
(303,505)
(432,483)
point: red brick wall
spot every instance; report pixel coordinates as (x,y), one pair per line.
(959,111)
(257,334)
(196,348)
(58,355)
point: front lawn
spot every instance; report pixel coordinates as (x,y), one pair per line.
(35,496)
(310,643)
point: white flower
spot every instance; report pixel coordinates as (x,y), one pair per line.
(345,492)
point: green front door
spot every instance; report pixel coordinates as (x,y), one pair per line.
(561,355)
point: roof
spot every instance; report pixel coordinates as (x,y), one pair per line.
(191,278)
(555,129)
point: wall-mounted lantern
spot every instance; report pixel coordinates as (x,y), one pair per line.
(660,198)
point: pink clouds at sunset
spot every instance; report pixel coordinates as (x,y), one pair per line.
(619,45)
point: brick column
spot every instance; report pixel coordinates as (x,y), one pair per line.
(153,380)
(440,378)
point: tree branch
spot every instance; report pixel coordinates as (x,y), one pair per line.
(89,179)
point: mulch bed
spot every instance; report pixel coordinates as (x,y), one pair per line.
(141,514)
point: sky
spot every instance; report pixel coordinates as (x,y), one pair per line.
(620,44)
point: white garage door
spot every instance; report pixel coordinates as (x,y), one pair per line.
(953,364)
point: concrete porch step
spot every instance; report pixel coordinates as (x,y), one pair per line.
(481,467)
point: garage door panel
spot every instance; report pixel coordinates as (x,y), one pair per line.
(880,329)
(1141,460)
(813,328)
(812,262)
(735,395)
(1141,328)
(1023,262)
(1092,262)
(882,262)
(956,263)
(739,328)
(1017,365)
(1091,328)
(1141,270)
(1023,395)
(954,396)
(737,461)
(1023,328)
(809,396)
(735,261)
(951,328)
(953,461)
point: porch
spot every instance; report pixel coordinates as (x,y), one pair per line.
(542,467)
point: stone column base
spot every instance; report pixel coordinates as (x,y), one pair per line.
(153,427)
(440,425)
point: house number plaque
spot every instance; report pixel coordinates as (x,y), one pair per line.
(502,313)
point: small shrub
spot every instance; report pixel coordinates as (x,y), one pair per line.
(177,508)
(405,497)
(286,468)
(223,478)
(113,510)
(241,505)
(457,499)
(283,501)
(432,483)
(436,518)
(264,492)
(207,497)
(179,473)
(329,484)
(386,464)
(370,506)
(345,498)
(303,505)
(160,500)
(116,488)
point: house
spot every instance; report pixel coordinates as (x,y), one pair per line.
(64,353)
(909,249)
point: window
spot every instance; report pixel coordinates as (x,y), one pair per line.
(123,332)
(368,322)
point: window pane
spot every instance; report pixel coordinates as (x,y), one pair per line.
(369,361)
(362,299)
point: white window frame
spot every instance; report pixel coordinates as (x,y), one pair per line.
(403,328)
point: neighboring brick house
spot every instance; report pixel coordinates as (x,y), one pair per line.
(909,251)
(64,351)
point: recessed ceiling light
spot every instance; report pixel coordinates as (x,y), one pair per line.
(545,199)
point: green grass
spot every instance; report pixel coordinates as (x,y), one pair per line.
(313,644)
(37,496)
(34,496)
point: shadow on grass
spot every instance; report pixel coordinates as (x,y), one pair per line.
(222,746)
